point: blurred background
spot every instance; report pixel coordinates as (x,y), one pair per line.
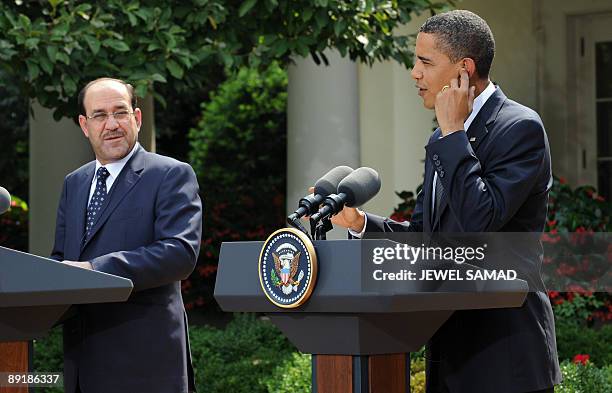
(262,97)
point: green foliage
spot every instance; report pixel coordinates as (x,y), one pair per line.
(573,210)
(14,225)
(578,378)
(242,358)
(49,356)
(292,376)
(251,355)
(573,339)
(14,161)
(578,308)
(417,374)
(50,48)
(247,356)
(238,151)
(403,212)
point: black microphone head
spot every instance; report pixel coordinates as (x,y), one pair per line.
(5,200)
(328,184)
(360,186)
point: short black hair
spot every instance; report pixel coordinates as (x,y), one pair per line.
(460,34)
(83,91)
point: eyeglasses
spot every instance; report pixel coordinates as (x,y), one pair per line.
(102,117)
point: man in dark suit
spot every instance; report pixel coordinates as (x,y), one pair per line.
(487,169)
(137,215)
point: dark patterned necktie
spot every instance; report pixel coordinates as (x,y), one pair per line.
(97,199)
(439,195)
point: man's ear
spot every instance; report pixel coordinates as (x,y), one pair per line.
(470,66)
(138,117)
(83,124)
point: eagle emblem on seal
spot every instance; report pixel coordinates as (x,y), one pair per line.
(286,261)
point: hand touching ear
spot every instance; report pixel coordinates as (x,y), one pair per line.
(454,103)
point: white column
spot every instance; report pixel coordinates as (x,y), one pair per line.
(322,123)
(56,149)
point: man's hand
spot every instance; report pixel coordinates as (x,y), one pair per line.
(454,104)
(82,265)
(348,217)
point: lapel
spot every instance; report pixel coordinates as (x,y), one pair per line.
(82,197)
(476,132)
(128,177)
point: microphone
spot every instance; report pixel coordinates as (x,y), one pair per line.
(328,184)
(5,200)
(353,191)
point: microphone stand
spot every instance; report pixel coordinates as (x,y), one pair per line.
(320,228)
(295,222)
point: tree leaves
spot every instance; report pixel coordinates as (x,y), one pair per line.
(175,69)
(178,42)
(246,7)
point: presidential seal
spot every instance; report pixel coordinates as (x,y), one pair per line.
(288,268)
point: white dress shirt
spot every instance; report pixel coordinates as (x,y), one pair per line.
(476,107)
(113,168)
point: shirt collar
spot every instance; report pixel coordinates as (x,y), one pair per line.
(479,103)
(114,168)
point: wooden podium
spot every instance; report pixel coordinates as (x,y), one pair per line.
(360,338)
(14,357)
(35,294)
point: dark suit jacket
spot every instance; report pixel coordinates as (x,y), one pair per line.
(498,182)
(148,231)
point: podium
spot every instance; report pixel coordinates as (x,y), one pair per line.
(36,293)
(360,339)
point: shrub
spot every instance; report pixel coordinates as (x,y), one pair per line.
(14,149)
(571,209)
(292,376)
(49,356)
(14,226)
(417,374)
(238,151)
(240,358)
(573,338)
(584,378)
(252,355)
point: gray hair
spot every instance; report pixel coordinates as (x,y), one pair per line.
(460,34)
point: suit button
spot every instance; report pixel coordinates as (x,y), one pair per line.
(441,173)
(435,156)
(437,162)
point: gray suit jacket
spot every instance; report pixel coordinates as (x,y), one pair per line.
(149,231)
(496,177)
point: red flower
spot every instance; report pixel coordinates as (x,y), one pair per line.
(566,270)
(553,294)
(551,239)
(398,216)
(207,270)
(562,180)
(581,359)
(576,288)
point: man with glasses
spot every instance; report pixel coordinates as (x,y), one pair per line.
(137,215)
